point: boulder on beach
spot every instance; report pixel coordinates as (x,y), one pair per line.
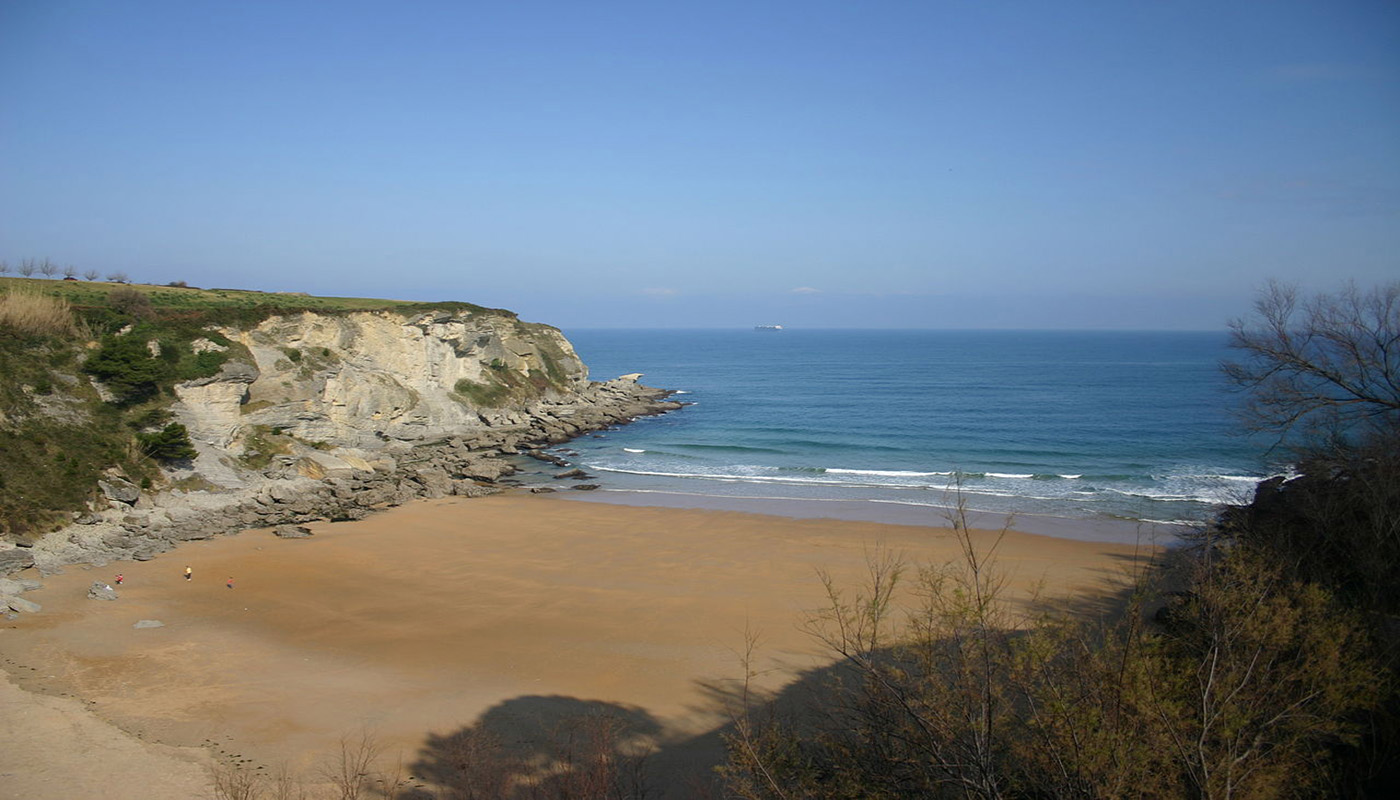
(101,591)
(149,623)
(291,532)
(19,604)
(10,586)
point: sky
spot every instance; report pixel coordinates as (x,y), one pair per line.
(957,164)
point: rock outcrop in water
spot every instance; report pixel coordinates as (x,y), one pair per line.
(330,416)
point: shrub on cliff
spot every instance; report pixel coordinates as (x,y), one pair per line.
(138,365)
(126,365)
(30,313)
(131,302)
(171,443)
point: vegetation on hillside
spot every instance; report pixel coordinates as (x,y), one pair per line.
(503,385)
(223,305)
(58,435)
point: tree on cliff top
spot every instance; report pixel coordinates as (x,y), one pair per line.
(1326,366)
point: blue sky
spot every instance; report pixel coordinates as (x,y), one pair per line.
(816,164)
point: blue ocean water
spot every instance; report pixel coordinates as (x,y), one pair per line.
(1077,425)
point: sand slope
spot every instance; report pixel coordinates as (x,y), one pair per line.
(54,748)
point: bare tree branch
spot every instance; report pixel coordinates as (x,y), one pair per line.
(1326,365)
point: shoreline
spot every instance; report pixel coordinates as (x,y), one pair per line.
(887,512)
(426,617)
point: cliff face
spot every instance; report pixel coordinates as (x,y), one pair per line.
(329,416)
(363,379)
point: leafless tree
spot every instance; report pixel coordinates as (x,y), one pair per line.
(27,267)
(70,271)
(118,277)
(4,268)
(350,771)
(236,782)
(1320,365)
(48,268)
(91,274)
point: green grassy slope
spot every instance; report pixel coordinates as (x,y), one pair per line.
(95,294)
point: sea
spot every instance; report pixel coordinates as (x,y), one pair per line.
(1099,435)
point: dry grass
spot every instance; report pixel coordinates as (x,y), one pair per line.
(33,313)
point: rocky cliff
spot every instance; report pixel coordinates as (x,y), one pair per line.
(355,380)
(331,415)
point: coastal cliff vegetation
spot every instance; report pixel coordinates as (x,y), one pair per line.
(91,369)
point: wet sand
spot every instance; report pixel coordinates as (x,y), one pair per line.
(420,620)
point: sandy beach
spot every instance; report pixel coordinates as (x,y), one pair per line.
(439,616)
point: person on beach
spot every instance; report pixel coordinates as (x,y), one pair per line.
(189,573)
(119,579)
(230,583)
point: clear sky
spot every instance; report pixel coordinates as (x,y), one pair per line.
(709,164)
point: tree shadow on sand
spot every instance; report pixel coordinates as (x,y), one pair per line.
(555,747)
(538,748)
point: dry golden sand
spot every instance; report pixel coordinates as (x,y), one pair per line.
(418,620)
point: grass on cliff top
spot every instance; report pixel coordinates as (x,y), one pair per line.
(88,294)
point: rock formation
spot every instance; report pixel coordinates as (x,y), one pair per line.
(330,416)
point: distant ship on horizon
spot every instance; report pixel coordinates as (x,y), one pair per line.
(767,327)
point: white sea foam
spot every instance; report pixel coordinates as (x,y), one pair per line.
(1024,496)
(1180,523)
(1210,495)
(890,473)
(819,480)
(633,450)
(788,480)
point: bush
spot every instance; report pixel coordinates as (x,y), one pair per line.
(171,443)
(31,313)
(132,302)
(486,395)
(126,366)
